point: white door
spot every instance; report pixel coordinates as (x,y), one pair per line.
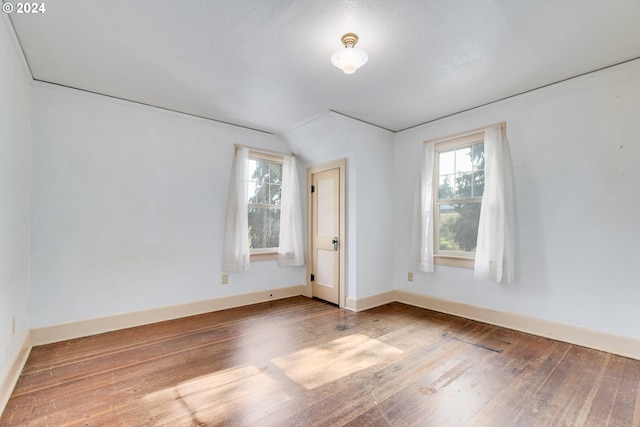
(325,235)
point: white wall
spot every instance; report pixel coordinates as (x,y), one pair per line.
(369,154)
(374,211)
(575,148)
(129,208)
(129,201)
(321,141)
(15,105)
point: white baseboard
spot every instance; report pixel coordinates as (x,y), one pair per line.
(611,343)
(10,378)
(55,333)
(371,301)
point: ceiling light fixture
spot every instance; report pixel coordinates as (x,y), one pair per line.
(350,58)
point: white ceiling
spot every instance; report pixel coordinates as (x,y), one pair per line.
(265,64)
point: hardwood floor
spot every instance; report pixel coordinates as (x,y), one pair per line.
(301,362)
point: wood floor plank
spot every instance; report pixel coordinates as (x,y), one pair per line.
(299,361)
(530,361)
(627,399)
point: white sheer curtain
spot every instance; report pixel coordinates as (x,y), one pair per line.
(291,249)
(236,256)
(423,214)
(494,251)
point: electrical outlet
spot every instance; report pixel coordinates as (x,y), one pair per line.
(410,276)
(225,279)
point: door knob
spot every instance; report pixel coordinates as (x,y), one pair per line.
(335,243)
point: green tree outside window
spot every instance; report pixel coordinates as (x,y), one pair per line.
(461,185)
(264,190)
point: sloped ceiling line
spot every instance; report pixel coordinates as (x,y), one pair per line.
(265,65)
(521,93)
(343,114)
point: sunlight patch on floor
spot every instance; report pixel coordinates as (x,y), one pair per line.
(217,396)
(320,365)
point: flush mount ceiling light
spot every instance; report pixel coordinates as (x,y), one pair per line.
(350,58)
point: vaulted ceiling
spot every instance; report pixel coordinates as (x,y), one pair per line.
(265,64)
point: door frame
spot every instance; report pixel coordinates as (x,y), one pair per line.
(341,165)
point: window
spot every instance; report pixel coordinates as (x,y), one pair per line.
(459,173)
(264,217)
(264,191)
(463,213)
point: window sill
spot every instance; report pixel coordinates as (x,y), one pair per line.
(267,256)
(453,261)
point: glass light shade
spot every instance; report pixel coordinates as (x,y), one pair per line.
(349,59)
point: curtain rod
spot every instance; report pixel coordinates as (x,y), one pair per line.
(262,150)
(503,125)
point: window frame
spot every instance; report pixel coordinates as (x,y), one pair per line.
(263,254)
(451,258)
